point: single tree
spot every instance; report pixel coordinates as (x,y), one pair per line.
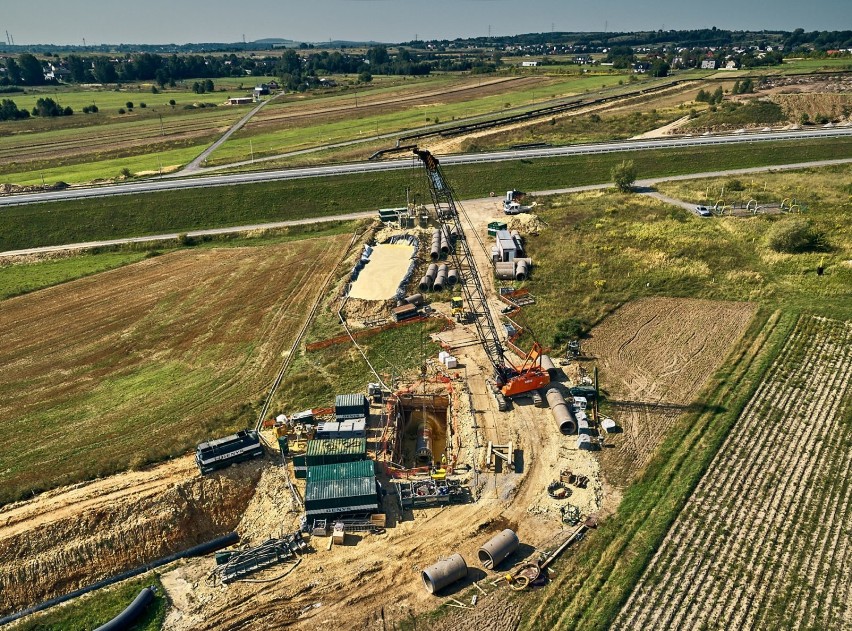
(624,175)
(32,71)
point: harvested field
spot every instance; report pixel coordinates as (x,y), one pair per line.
(654,355)
(139,363)
(763,543)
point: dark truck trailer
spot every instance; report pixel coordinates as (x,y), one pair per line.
(223,452)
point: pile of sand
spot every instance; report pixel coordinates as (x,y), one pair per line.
(526,223)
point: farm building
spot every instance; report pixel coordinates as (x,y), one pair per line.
(507,249)
(340,489)
(529,64)
(240,100)
(708,64)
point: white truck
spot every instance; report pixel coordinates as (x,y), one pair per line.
(511,205)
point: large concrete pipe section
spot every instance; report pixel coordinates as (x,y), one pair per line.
(565,419)
(429,277)
(423,447)
(441,279)
(452,276)
(522,269)
(425,283)
(548,365)
(501,545)
(414,299)
(454,234)
(435,249)
(443,573)
(446,243)
(505,270)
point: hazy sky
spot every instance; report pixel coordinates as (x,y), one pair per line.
(181,21)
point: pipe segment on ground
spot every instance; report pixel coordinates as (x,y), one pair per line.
(522,270)
(441,278)
(452,276)
(443,573)
(131,613)
(562,414)
(496,549)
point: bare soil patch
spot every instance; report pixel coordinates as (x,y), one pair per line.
(381,277)
(654,355)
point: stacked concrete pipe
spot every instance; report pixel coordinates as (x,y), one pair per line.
(429,277)
(441,278)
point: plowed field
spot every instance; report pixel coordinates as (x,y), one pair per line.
(763,543)
(654,356)
(142,362)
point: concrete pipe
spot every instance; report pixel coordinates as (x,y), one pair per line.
(414,299)
(519,243)
(522,270)
(423,447)
(562,414)
(432,271)
(425,283)
(505,270)
(452,277)
(548,365)
(443,573)
(441,279)
(498,548)
(445,241)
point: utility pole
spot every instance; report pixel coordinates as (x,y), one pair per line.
(162,129)
(251,150)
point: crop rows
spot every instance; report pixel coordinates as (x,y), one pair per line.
(763,543)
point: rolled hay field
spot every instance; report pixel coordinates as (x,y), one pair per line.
(133,365)
(764,541)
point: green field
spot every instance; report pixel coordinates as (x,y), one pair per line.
(178,211)
(24,278)
(429,112)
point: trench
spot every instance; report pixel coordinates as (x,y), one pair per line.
(105,539)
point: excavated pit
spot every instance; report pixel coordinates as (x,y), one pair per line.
(70,538)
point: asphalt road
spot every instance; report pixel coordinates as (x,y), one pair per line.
(154,185)
(646,183)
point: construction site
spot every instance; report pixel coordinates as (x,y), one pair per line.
(456,487)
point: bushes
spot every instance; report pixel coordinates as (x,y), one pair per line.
(569,329)
(624,175)
(49,107)
(793,235)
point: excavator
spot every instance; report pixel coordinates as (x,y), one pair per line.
(472,304)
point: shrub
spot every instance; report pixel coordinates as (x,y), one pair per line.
(569,329)
(143,105)
(794,234)
(129,105)
(734,185)
(121,110)
(624,175)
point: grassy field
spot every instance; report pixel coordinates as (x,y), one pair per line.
(23,278)
(156,213)
(667,251)
(95,609)
(434,109)
(181,346)
(626,247)
(317,376)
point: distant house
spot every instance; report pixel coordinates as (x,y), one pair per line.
(240,100)
(325,82)
(529,64)
(261,89)
(273,85)
(582,60)
(731,65)
(708,64)
(641,67)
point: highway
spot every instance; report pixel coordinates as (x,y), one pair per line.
(640,185)
(156,184)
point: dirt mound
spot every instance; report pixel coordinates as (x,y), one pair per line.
(64,540)
(272,510)
(526,223)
